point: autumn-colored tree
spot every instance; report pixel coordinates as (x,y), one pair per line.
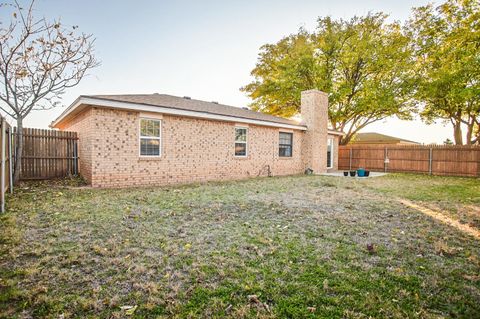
(362,63)
(39,60)
(446,46)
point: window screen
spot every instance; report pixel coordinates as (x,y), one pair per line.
(240,141)
(285,144)
(149,137)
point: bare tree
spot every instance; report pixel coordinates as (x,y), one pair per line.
(39,60)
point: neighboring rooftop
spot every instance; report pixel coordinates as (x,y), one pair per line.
(189,104)
(377,138)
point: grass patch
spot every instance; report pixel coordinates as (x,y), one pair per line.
(302,246)
(457,197)
(429,188)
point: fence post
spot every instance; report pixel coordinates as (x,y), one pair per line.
(430,159)
(386,160)
(3,168)
(10,158)
(75,152)
(351,159)
(478,162)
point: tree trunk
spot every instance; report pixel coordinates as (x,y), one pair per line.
(476,138)
(18,150)
(470,129)
(468,140)
(344,140)
(457,132)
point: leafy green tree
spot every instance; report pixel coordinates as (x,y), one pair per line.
(362,63)
(476,139)
(446,46)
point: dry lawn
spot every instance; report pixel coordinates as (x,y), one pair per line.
(301,246)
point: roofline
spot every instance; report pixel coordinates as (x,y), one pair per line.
(390,138)
(384,141)
(333,132)
(67,111)
(102,102)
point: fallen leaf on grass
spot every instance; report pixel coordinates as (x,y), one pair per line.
(472,277)
(229,308)
(441,248)
(371,248)
(325,284)
(129,310)
(254,300)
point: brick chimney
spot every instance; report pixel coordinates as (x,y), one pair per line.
(314,112)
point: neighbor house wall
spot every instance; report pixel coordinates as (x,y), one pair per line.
(193,150)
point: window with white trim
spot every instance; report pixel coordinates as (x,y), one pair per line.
(241,141)
(285,144)
(330,153)
(149,137)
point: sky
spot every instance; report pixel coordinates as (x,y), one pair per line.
(202,49)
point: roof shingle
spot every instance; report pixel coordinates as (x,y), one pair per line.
(188,104)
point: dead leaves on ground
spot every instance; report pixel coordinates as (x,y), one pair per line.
(255,302)
(129,310)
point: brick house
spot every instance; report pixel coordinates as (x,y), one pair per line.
(156,139)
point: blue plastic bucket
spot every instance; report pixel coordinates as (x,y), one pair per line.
(361,172)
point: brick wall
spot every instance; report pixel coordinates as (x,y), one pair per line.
(193,150)
(314,111)
(83,125)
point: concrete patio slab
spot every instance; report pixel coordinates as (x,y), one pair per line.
(340,174)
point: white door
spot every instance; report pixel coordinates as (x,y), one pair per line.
(330,151)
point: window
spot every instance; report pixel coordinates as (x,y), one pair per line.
(285,144)
(330,153)
(240,141)
(149,137)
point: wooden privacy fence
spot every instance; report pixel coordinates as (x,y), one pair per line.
(48,154)
(6,181)
(429,159)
